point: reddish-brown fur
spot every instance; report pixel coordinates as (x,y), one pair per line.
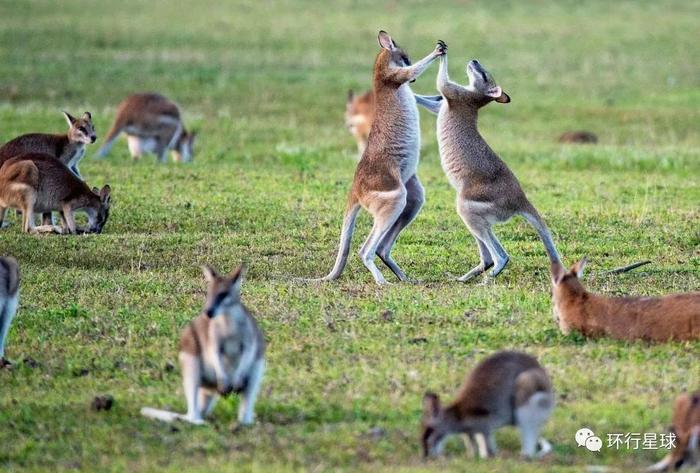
(63,147)
(150,115)
(659,319)
(37,182)
(359,115)
(686,426)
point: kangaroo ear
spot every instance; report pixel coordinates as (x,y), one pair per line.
(385,41)
(558,272)
(237,278)
(503,98)
(498,95)
(431,405)
(577,269)
(210,273)
(106,194)
(69,118)
(96,190)
(87,116)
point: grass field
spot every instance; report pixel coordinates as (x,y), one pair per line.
(265,84)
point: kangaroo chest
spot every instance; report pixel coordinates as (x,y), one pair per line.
(408,136)
(72,154)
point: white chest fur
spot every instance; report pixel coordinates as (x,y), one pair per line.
(409,139)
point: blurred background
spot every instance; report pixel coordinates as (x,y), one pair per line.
(628,71)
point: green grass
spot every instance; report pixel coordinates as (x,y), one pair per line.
(265,85)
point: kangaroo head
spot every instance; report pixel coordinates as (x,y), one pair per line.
(358,115)
(184,150)
(98,219)
(81,130)
(483,86)
(223,292)
(397,56)
(566,285)
(435,425)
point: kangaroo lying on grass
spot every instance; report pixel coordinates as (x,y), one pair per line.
(507,388)
(38,182)
(660,319)
(487,191)
(686,427)
(221,351)
(9,298)
(152,124)
(385,181)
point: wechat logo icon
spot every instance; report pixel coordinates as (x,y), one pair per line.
(586,438)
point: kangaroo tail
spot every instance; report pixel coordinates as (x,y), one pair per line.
(158,414)
(112,135)
(663,465)
(351,212)
(534,219)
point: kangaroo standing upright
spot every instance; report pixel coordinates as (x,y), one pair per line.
(221,351)
(385,181)
(507,388)
(152,124)
(9,298)
(487,191)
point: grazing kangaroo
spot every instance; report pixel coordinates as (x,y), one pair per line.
(221,351)
(38,182)
(507,388)
(9,298)
(152,124)
(68,148)
(487,191)
(672,317)
(359,115)
(385,181)
(686,427)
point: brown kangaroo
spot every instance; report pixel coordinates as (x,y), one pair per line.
(507,388)
(152,124)
(385,182)
(38,182)
(660,319)
(686,427)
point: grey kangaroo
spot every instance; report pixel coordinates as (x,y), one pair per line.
(9,299)
(221,351)
(487,191)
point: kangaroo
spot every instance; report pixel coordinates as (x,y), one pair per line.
(359,115)
(38,182)
(686,427)
(9,299)
(487,191)
(385,182)
(221,351)
(68,148)
(660,319)
(152,124)
(507,388)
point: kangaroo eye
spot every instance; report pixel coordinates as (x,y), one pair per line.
(82,129)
